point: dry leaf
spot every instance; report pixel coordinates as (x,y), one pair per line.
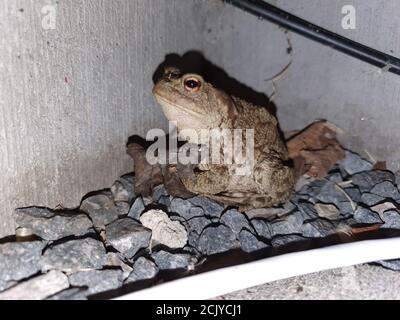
(315,149)
(380,165)
(358,230)
(148,176)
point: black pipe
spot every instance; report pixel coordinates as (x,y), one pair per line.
(311,31)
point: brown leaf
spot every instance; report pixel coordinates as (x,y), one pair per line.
(370,228)
(315,149)
(380,165)
(148,176)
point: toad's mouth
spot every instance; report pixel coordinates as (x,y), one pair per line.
(167,105)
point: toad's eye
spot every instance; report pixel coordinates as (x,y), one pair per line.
(192,84)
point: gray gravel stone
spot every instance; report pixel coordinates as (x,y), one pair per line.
(397,178)
(136,209)
(101,209)
(367,180)
(19,260)
(181,207)
(297,198)
(122,208)
(270,213)
(193,238)
(390,264)
(74,255)
(216,239)
(214,219)
(198,224)
(158,192)
(235,220)
(143,269)
(52,225)
(169,261)
(114,260)
(371,199)
(386,189)
(70,294)
(288,225)
(97,280)
(313,188)
(318,228)
(182,220)
(128,236)
(249,242)
(265,213)
(353,163)
(391,219)
(367,216)
(147,200)
(335,177)
(287,207)
(286,239)
(307,210)
(165,231)
(193,252)
(165,200)
(331,193)
(354,193)
(37,288)
(123,188)
(263,228)
(346,208)
(209,206)
(196,212)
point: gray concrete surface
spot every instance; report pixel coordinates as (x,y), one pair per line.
(71,96)
(360,282)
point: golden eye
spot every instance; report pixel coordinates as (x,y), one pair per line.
(192,84)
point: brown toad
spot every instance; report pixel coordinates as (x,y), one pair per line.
(195,104)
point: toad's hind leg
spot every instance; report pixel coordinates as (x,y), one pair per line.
(211,181)
(274,177)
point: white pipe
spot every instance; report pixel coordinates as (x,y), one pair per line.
(225,280)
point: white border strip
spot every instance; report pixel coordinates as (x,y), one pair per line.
(225,280)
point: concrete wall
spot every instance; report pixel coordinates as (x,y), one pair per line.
(70,97)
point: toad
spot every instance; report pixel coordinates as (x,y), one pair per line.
(193,103)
